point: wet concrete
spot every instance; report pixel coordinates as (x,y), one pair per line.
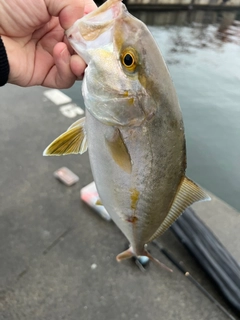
(57,257)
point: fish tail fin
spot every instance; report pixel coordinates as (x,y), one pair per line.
(156,261)
(127,254)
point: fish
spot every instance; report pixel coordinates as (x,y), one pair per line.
(133,127)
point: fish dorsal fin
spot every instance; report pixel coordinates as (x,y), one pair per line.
(118,149)
(73,141)
(188,193)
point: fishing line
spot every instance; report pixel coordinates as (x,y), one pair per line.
(192,279)
(211,255)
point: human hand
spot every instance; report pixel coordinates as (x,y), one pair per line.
(33,35)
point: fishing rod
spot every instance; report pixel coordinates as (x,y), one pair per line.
(192,279)
(215,260)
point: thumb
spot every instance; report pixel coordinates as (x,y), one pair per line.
(68,11)
(90,5)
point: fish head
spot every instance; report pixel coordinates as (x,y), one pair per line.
(119,85)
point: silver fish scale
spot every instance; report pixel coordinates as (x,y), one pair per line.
(150,177)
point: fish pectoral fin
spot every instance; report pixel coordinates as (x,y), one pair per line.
(77,124)
(188,193)
(73,141)
(118,149)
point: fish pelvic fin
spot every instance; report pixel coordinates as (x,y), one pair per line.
(73,141)
(188,193)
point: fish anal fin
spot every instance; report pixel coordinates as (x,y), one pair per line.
(188,193)
(73,141)
(118,149)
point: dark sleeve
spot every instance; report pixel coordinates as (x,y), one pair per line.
(4,65)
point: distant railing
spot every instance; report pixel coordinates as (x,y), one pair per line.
(227,3)
(148,4)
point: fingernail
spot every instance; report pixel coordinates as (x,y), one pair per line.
(65,55)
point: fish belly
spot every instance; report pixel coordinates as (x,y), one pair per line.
(138,201)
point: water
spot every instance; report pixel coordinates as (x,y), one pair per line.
(202,50)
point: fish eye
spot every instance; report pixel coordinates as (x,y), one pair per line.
(129,59)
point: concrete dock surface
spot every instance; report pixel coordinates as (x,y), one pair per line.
(57,256)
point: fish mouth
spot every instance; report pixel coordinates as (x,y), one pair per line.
(97,24)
